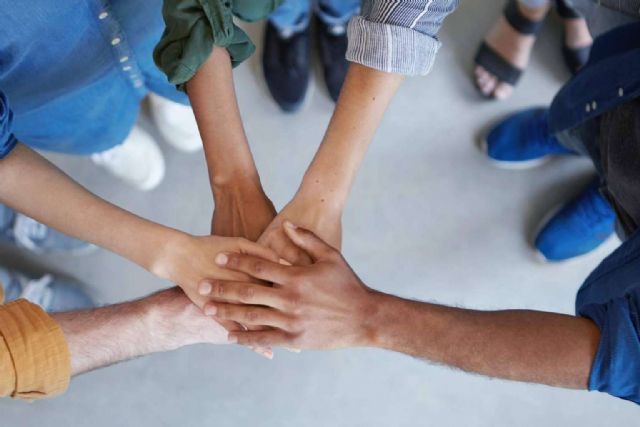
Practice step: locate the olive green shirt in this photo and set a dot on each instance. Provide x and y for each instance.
(193, 27)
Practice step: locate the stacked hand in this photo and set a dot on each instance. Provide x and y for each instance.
(320, 306)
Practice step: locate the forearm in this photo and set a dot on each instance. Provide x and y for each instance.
(212, 95)
(519, 345)
(164, 321)
(38, 189)
(365, 95)
(107, 335)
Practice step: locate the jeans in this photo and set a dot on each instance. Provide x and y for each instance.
(294, 15)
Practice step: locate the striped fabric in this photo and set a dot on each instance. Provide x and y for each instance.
(398, 36)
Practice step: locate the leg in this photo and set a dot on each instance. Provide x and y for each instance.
(291, 17)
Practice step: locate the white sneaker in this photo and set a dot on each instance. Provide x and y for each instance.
(176, 123)
(138, 161)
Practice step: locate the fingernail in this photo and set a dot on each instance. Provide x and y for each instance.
(210, 310)
(268, 354)
(221, 259)
(232, 339)
(204, 288)
(290, 225)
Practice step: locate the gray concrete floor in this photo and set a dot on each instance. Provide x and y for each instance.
(429, 218)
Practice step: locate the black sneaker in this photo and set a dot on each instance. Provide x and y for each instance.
(332, 44)
(286, 62)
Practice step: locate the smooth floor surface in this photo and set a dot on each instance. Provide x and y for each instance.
(429, 218)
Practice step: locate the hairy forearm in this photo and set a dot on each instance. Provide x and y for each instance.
(37, 188)
(364, 98)
(522, 345)
(104, 336)
(212, 95)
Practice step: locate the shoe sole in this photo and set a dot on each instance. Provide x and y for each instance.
(483, 146)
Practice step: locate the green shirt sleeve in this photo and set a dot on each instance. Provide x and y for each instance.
(193, 27)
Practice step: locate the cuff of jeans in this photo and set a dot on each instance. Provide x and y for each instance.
(34, 356)
(391, 48)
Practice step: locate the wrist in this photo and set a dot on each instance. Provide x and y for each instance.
(235, 182)
(385, 321)
(315, 192)
(166, 255)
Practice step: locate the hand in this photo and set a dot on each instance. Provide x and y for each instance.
(324, 220)
(189, 260)
(322, 306)
(173, 322)
(241, 210)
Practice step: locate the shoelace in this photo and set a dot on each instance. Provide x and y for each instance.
(38, 291)
(26, 230)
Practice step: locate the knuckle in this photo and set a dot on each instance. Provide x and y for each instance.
(257, 267)
(246, 293)
(220, 289)
(252, 315)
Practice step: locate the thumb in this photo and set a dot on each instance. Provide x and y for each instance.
(308, 241)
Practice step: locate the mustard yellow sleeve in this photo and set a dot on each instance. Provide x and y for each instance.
(34, 359)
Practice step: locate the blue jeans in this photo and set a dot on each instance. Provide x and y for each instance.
(293, 15)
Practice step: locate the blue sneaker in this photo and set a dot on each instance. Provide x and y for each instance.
(578, 227)
(522, 141)
(30, 234)
(50, 293)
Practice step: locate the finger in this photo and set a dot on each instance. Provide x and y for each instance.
(263, 351)
(294, 254)
(248, 247)
(273, 337)
(243, 293)
(309, 242)
(250, 315)
(255, 267)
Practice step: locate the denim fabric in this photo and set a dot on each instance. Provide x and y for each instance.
(74, 72)
(610, 297)
(596, 114)
(293, 15)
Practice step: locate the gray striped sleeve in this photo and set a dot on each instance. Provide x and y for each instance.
(398, 36)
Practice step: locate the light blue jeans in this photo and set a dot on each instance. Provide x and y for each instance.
(293, 15)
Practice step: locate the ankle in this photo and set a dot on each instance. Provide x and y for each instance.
(534, 13)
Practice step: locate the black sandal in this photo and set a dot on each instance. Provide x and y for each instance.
(574, 58)
(491, 60)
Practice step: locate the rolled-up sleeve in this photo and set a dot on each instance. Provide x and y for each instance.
(34, 357)
(616, 367)
(7, 140)
(194, 27)
(398, 36)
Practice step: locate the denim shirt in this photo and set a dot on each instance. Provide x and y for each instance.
(609, 79)
(610, 296)
(73, 72)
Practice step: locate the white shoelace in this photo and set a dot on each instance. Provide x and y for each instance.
(38, 291)
(26, 230)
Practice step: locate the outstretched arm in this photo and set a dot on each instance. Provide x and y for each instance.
(163, 321)
(35, 187)
(241, 207)
(325, 188)
(325, 305)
